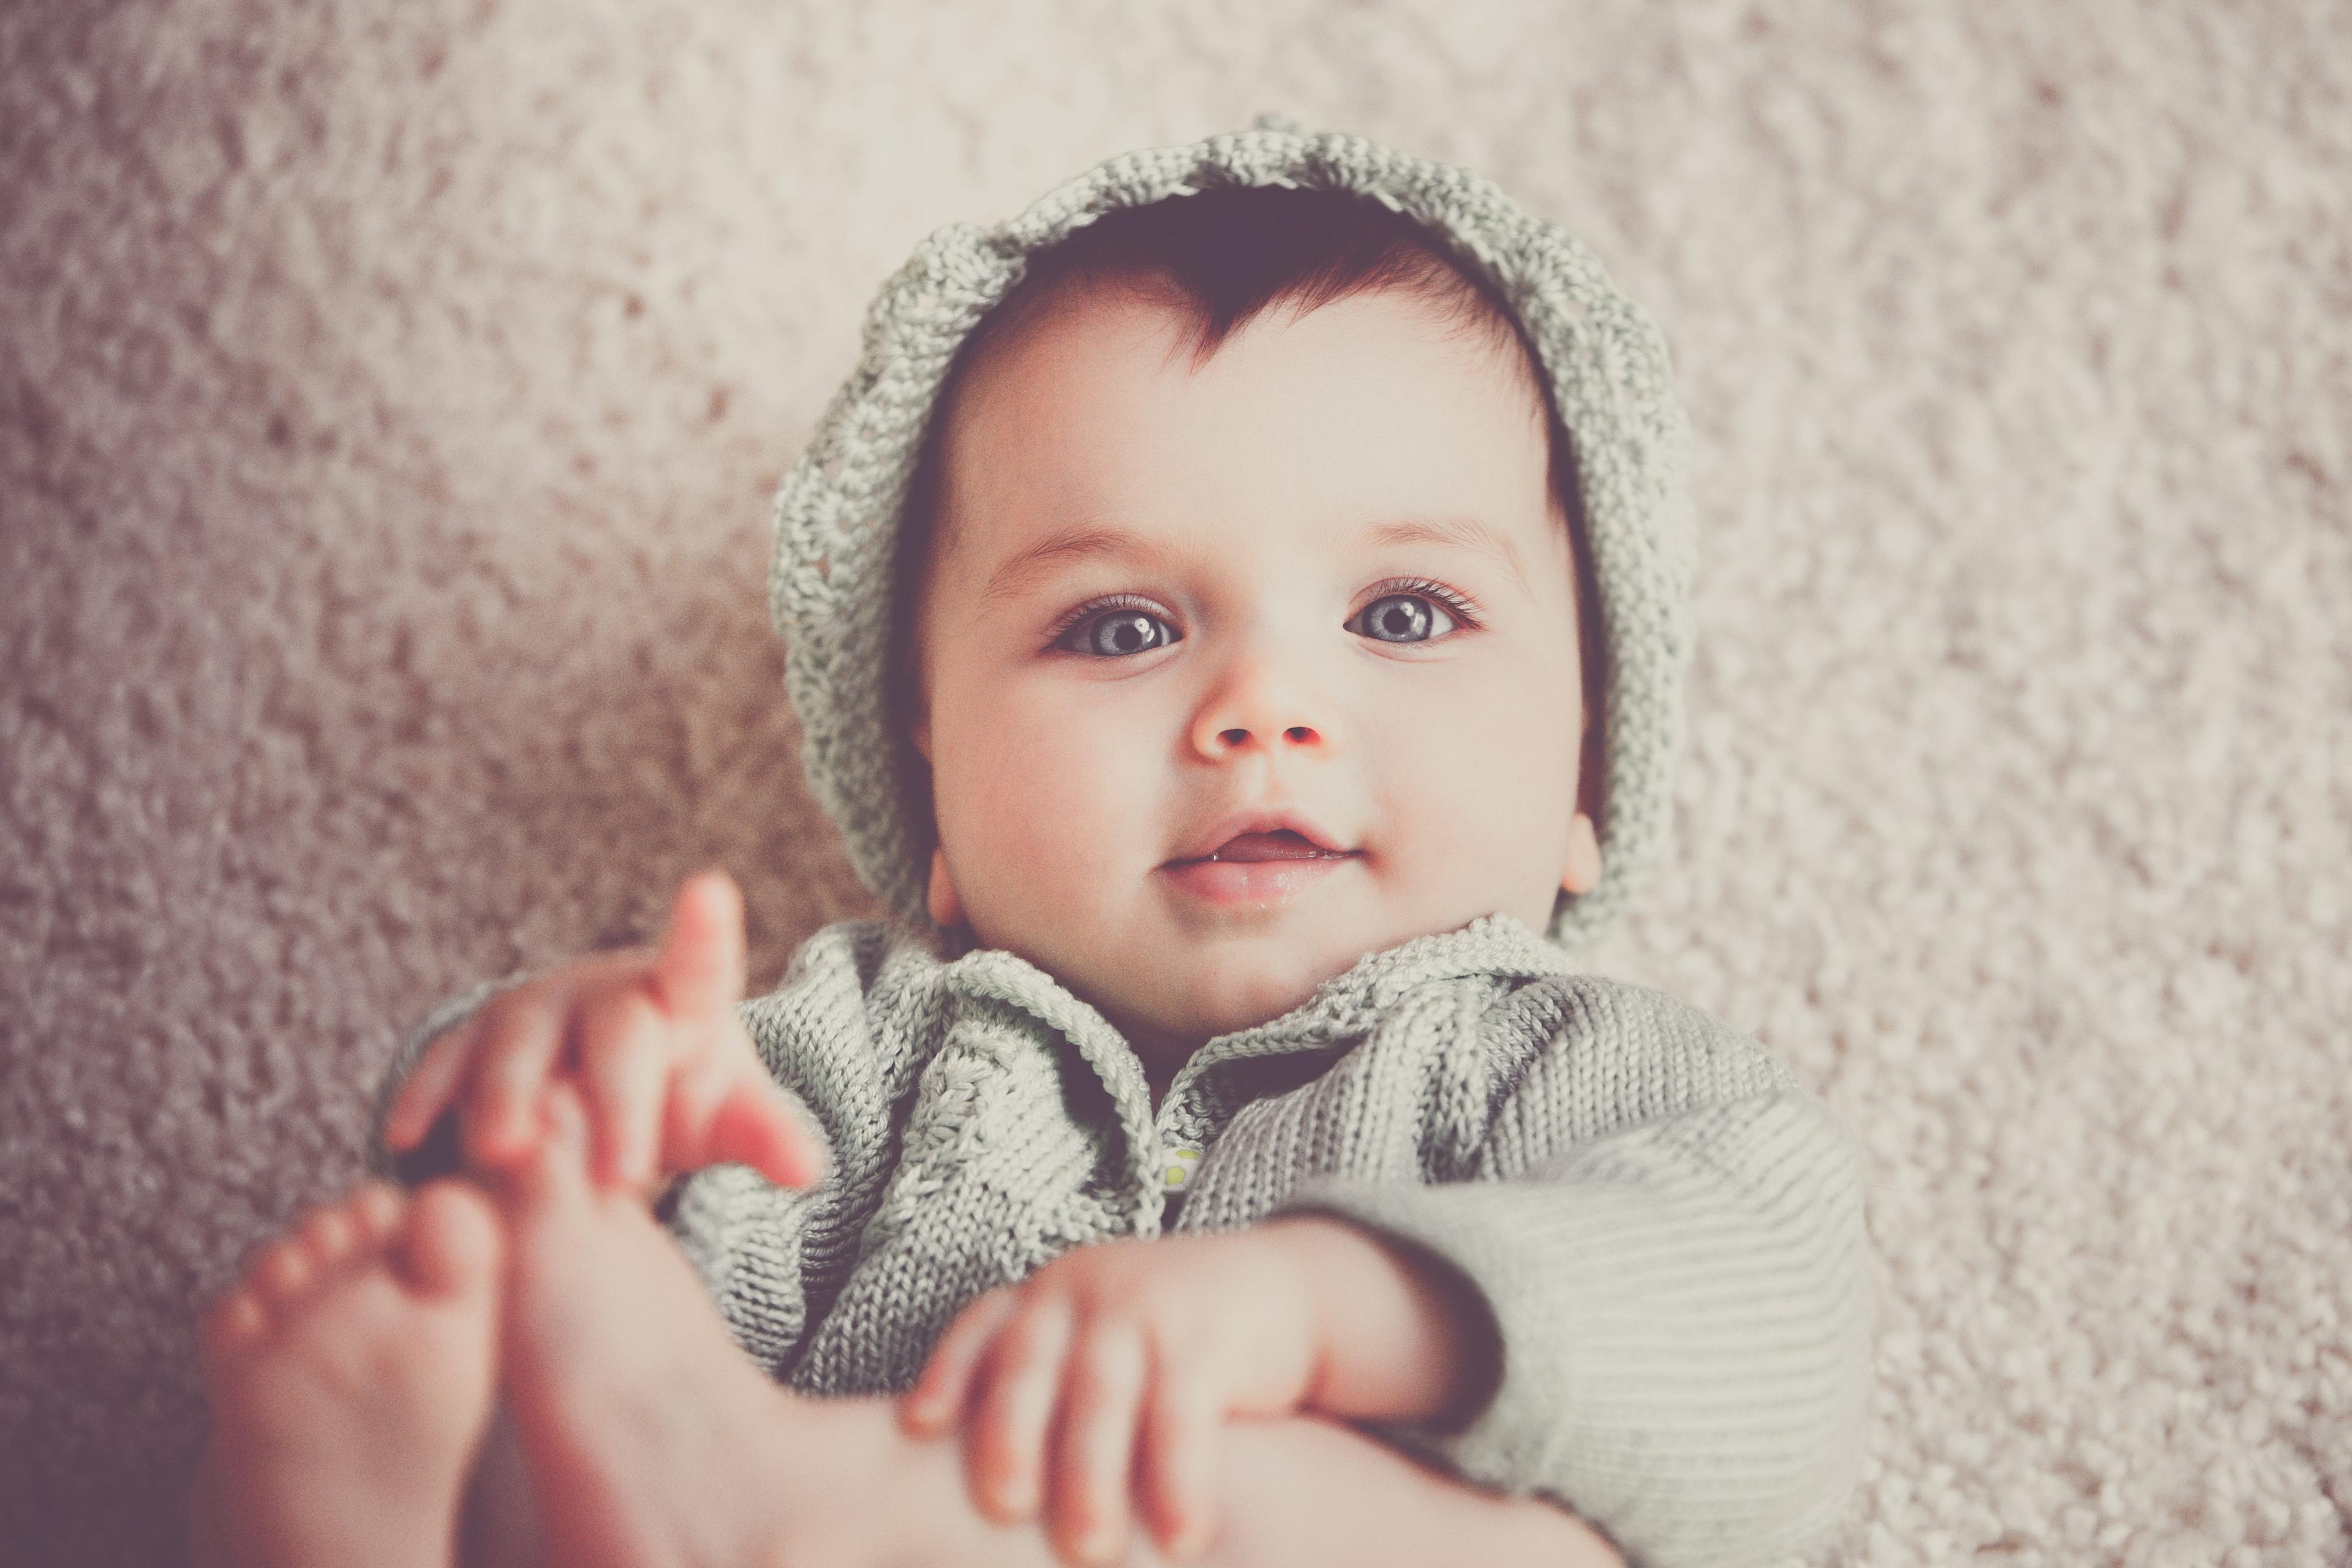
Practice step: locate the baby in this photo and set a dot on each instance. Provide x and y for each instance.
(1200, 606)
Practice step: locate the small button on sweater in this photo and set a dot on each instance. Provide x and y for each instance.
(1665, 1227)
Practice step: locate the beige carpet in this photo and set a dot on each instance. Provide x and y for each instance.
(390, 399)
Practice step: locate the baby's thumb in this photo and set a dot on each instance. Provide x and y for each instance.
(755, 1126)
(700, 966)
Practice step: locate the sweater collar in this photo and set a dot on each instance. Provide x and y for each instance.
(1344, 1007)
(1341, 1010)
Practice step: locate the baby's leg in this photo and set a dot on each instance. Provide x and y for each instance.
(650, 1437)
(351, 1374)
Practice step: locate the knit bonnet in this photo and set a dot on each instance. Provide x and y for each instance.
(837, 514)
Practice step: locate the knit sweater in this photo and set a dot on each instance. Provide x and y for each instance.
(1665, 1227)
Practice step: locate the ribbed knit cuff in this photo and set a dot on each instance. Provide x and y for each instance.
(1686, 1340)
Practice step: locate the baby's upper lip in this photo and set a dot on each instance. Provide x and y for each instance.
(1261, 820)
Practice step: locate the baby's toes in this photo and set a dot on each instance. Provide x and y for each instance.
(328, 1242)
(328, 1237)
(448, 1242)
(284, 1272)
(342, 1425)
(234, 1325)
(288, 1272)
(374, 1207)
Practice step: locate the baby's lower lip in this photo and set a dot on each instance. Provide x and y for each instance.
(1253, 881)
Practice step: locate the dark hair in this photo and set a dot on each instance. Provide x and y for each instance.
(1216, 260)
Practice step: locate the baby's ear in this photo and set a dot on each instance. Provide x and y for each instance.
(1583, 870)
(946, 909)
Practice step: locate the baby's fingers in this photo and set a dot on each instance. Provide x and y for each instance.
(1095, 1458)
(932, 1404)
(1180, 1446)
(755, 1126)
(698, 972)
(626, 1051)
(1022, 1378)
(431, 1085)
(522, 1033)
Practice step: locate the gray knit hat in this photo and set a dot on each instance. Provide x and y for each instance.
(837, 514)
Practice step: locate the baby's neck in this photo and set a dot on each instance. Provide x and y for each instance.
(1161, 1056)
(1159, 1083)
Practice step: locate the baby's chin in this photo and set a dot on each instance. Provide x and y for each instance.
(1193, 995)
(1170, 992)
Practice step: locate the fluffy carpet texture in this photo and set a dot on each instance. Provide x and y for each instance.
(390, 402)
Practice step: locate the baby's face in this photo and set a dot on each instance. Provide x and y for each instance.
(1264, 650)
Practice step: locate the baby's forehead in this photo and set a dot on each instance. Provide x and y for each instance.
(1047, 353)
(1077, 313)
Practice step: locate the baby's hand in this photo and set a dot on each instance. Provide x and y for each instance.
(1177, 1334)
(658, 1048)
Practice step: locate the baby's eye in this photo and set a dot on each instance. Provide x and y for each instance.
(1117, 628)
(1403, 617)
(1116, 633)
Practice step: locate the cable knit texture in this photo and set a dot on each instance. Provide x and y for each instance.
(838, 512)
(1666, 1226)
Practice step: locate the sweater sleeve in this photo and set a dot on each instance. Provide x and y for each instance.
(1666, 1231)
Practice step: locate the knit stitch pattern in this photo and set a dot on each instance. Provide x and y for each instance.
(1666, 1226)
(838, 512)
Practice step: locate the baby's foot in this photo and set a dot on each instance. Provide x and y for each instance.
(651, 1437)
(351, 1374)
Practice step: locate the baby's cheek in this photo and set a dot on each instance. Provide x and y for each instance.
(1072, 794)
(1468, 795)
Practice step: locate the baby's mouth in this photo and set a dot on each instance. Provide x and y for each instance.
(1280, 844)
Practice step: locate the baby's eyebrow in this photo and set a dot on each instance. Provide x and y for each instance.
(1025, 568)
(1462, 532)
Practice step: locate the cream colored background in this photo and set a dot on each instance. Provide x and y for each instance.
(390, 398)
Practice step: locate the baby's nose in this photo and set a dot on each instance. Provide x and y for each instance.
(1262, 712)
(1239, 736)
